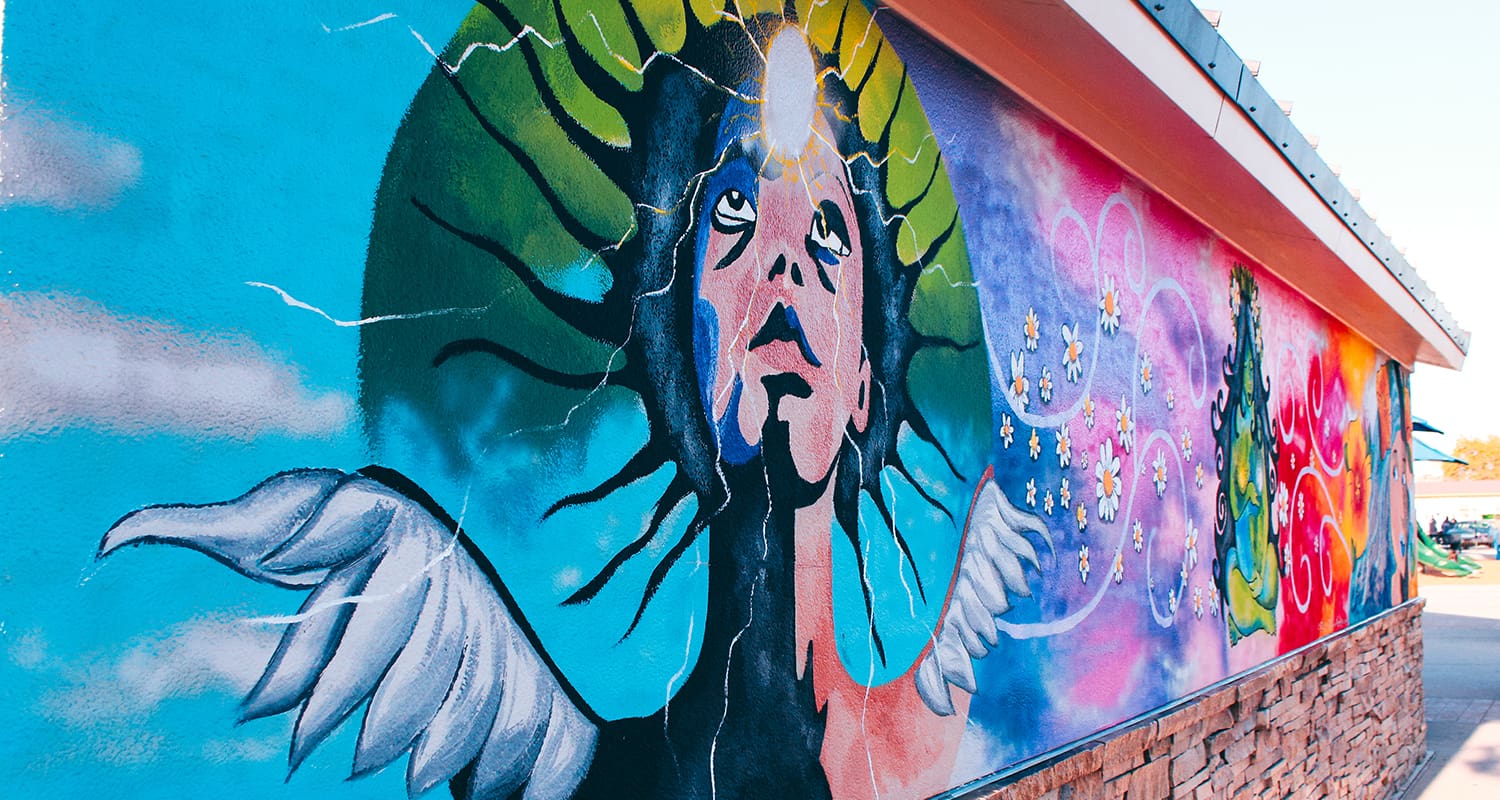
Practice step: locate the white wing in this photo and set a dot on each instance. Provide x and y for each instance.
(401, 615)
(990, 570)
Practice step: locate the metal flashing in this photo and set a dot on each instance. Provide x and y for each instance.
(1201, 42)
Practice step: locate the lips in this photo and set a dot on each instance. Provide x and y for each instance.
(781, 325)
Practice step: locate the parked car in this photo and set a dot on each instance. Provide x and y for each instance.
(1460, 535)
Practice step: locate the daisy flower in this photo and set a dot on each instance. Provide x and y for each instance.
(1159, 473)
(1083, 460)
(1034, 444)
(1125, 425)
(1020, 385)
(1065, 493)
(1301, 508)
(1171, 399)
(1190, 544)
(1007, 431)
(1033, 329)
(1047, 502)
(1198, 602)
(1283, 505)
(1172, 602)
(1107, 481)
(1072, 351)
(1138, 537)
(1083, 562)
(1082, 513)
(1146, 374)
(1187, 445)
(1031, 492)
(1064, 447)
(1119, 570)
(1088, 412)
(1044, 385)
(1109, 306)
(1198, 474)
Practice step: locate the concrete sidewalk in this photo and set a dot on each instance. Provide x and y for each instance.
(1461, 674)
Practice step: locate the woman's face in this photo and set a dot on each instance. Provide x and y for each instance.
(779, 310)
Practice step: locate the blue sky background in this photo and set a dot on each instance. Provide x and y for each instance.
(232, 161)
(1402, 98)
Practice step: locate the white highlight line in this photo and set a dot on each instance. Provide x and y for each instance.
(370, 21)
(287, 298)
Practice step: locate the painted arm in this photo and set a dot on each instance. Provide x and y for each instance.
(404, 613)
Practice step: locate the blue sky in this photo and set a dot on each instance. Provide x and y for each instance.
(1401, 96)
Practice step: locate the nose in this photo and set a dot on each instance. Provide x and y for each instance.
(790, 271)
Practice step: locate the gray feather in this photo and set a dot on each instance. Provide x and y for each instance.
(465, 718)
(306, 646)
(412, 689)
(932, 688)
(238, 532)
(980, 620)
(516, 739)
(957, 667)
(380, 625)
(1005, 563)
(565, 755)
(987, 585)
(345, 526)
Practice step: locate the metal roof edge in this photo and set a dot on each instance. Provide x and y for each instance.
(1200, 41)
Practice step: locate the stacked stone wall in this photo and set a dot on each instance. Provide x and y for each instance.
(1343, 717)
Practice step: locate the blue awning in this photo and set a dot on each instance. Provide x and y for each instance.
(1422, 425)
(1421, 451)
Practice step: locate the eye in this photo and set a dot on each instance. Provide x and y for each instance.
(733, 212)
(829, 232)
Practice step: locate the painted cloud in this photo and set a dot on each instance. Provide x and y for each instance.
(46, 160)
(68, 362)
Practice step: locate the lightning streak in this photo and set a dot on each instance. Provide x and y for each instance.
(370, 21)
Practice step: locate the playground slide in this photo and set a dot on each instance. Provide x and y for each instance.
(1439, 560)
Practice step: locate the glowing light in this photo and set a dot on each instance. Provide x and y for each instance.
(791, 95)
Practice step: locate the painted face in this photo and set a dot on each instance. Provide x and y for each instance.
(780, 292)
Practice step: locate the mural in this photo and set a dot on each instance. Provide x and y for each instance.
(743, 399)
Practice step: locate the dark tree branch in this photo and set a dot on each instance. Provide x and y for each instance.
(924, 432)
(643, 463)
(675, 493)
(612, 161)
(567, 380)
(570, 223)
(890, 523)
(659, 574)
(600, 321)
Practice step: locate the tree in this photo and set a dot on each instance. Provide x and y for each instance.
(1483, 456)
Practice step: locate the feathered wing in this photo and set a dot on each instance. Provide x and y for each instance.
(401, 615)
(990, 570)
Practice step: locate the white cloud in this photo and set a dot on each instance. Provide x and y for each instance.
(46, 160)
(68, 362)
(108, 702)
(193, 658)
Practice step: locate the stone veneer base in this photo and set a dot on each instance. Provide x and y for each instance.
(1341, 717)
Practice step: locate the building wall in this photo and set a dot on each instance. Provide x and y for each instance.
(646, 400)
(1461, 500)
(1343, 717)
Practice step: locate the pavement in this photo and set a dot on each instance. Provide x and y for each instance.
(1461, 675)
